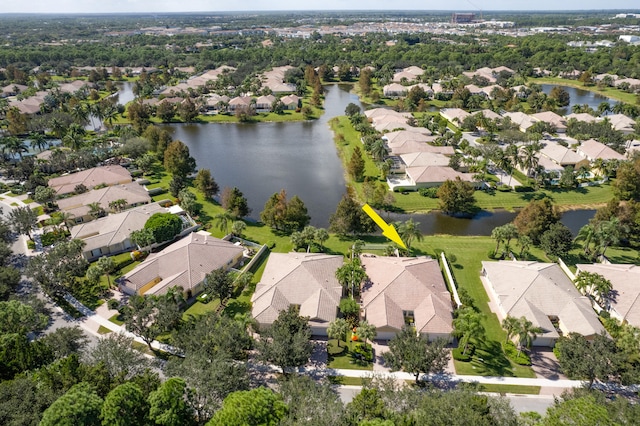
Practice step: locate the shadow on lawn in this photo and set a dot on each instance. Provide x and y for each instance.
(489, 360)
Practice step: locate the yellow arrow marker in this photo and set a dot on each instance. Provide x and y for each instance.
(387, 230)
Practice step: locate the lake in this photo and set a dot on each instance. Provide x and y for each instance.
(579, 97)
(263, 158)
(301, 157)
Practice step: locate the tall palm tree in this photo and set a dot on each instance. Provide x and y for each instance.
(410, 231)
(351, 275)
(467, 326)
(511, 325)
(38, 141)
(528, 156)
(223, 221)
(378, 150)
(527, 333)
(14, 145)
(366, 331)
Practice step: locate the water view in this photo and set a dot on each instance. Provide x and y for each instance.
(579, 97)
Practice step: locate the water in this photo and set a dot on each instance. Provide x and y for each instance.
(482, 223)
(579, 97)
(263, 158)
(125, 94)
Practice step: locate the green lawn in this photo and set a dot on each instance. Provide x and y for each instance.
(117, 319)
(464, 255)
(103, 330)
(347, 381)
(346, 359)
(515, 389)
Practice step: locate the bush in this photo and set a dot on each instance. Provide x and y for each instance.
(458, 356)
(113, 304)
(164, 226)
(52, 237)
(524, 188)
(503, 188)
(136, 255)
(123, 263)
(31, 245)
(271, 244)
(428, 192)
(511, 352)
(363, 353)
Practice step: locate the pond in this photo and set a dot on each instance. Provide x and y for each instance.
(263, 158)
(483, 223)
(579, 97)
(300, 157)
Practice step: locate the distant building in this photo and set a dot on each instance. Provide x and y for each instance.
(462, 18)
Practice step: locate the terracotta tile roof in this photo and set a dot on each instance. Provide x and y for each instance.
(108, 175)
(406, 284)
(305, 279)
(184, 263)
(539, 290)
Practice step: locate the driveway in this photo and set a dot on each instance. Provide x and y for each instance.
(545, 364)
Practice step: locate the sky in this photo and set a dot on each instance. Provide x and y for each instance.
(128, 6)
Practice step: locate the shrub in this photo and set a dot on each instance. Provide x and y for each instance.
(428, 192)
(524, 188)
(136, 255)
(511, 352)
(31, 245)
(164, 226)
(504, 188)
(123, 263)
(364, 353)
(458, 356)
(113, 304)
(52, 237)
(271, 244)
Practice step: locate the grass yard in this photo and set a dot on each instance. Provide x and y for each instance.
(117, 319)
(103, 330)
(347, 358)
(346, 381)
(464, 255)
(514, 389)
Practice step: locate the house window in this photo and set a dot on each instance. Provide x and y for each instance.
(409, 317)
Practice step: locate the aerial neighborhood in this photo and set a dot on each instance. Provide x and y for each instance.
(271, 219)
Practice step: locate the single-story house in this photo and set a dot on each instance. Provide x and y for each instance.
(523, 120)
(291, 102)
(403, 291)
(625, 281)
(239, 102)
(104, 175)
(593, 150)
(455, 115)
(430, 176)
(374, 113)
(263, 103)
(409, 74)
(307, 280)
(583, 116)
(184, 263)
(552, 118)
(110, 235)
(78, 205)
(621, 122)
(561, 155)
(422, 159)
(394, 90)
(542, 293)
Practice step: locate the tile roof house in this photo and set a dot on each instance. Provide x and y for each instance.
(78, 205)
(593, 150)
(402, 290)
(552, 118)
(410, 74)
(543, 294)
(291, 101)
(523, 120)
(110, 235)
(621, 122)
(430, 176)
(583, 116)
(395, 90)
(625, 280)
(455, 115)
(263, 103)
(304, 279)
(105, 175)
(561, 155)
(184, 263)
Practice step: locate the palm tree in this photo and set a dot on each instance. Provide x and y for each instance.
(409, 231)
(511, 326)
(38, 141)
(351, 274)
(366, 331)
(338, 329)
(468, 325)
(528, 156)
(95, 210)
(586, 234)
(378, 150)
(527, 334)
(223, 221)
(75, 137)
(14, 146)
